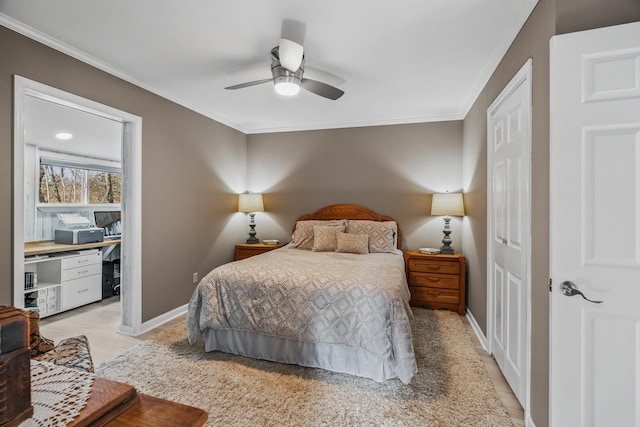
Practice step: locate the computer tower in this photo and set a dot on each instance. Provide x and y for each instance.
(110, 278)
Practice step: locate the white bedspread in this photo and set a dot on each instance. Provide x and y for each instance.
(321, 297)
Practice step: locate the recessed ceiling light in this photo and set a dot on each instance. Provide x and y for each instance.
(64, 135)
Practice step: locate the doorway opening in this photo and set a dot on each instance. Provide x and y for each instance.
(131, 148)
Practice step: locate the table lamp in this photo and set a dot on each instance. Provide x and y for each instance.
(251, 203)
(447, 204)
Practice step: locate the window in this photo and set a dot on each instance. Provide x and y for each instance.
(79, 181)
(60, 185)
(104, 187)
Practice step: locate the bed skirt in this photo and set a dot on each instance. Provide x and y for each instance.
(333, 357)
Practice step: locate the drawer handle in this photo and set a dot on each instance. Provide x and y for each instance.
(434, 267)
(83, 290)
(83, 272)
(433, 279)
(80, 261)
(434, 294)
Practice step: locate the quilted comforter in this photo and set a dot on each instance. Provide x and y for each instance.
(321, 297)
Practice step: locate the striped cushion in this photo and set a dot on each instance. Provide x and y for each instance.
(72, 353)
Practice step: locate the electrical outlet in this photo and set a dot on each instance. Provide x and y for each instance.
(195, 277)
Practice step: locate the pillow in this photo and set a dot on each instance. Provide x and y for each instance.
(352, 243)
(325, 237)
(382, 234)
(37, 342)
(72, 353)
(303, 235)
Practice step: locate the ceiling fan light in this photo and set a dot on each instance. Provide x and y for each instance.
(287, 85)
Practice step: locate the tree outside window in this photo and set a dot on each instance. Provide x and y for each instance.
(62, 184)
(104, 187)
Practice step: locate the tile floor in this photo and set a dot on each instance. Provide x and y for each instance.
(509, 400)
(99, 322)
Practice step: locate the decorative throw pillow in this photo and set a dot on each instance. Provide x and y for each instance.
(303, 235)
(382, 234)
(353, 243)
(72, 353)
(324, 237)
(37, 342)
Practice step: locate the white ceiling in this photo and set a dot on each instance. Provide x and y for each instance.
(92, 135)
(401, 61)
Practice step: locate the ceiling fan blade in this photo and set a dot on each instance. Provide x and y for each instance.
(322, 89)
(248, 84)
(291, 54)
(323, 76)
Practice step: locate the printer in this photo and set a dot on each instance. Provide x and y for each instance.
(78, 230)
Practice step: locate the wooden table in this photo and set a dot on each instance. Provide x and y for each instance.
(150, 411)
(247, 250)
(116, 404)
(49, 246)
(436, 281)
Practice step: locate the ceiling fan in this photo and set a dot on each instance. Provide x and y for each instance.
(287, 69)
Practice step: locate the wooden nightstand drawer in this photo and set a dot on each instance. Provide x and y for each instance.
(438, 295)
(436, 281)
(433, 266)
(433, 280)
(243, 251)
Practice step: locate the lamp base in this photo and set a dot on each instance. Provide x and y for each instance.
(446, 249)
(446, 241)
(252, 240)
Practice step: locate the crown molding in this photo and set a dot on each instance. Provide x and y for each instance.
(499, 54)
(32, 33)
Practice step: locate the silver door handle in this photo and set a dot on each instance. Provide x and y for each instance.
(570, 289)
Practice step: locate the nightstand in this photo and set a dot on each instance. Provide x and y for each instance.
(436, 281)
(245, 250)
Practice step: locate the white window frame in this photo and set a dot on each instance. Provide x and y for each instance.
(86, 164)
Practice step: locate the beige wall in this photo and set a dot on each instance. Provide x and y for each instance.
(192, 167)
(578, 15)
(549, 18)
(390, 169)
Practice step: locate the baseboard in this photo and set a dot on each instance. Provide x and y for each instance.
(163, 318)
(478, 331)
(528, 421)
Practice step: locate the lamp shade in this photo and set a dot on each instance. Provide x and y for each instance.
(448, 204)
(250, 202)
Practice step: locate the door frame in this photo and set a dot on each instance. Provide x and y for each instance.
(523, 76)
(131, 205)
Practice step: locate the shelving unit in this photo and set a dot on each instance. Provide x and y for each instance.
(63, 281)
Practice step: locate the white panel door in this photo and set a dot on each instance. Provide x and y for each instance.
(509, 136)
(595, 227)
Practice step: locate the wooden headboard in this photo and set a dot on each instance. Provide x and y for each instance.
(346, 211)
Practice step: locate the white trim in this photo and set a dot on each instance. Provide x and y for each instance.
(20, 88)
(163, 318)
(518, 24)
(342, 125)
(60, 46)
(478, 331)
(56, 44)
(131, 318)
(523, 76)
(528, 421)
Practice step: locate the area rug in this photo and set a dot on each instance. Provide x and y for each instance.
(451, 388)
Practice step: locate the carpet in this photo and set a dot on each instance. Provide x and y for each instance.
(451, 388)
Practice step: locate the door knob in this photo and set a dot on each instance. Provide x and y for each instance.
(570, 289)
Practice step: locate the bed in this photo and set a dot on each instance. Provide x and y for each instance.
(335, 298)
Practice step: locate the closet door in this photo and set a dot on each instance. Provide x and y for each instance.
(509, 189)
